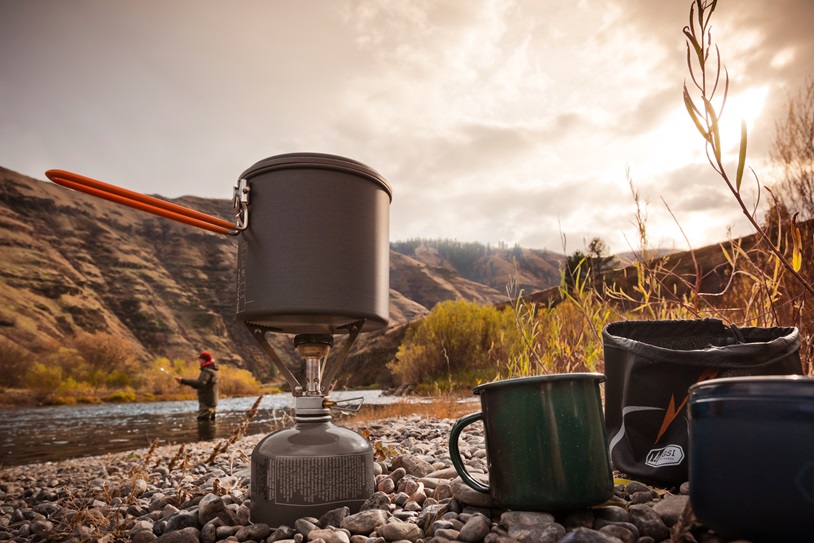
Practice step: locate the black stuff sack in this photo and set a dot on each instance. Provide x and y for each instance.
(650, 366)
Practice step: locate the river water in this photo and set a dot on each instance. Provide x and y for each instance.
(42, 434)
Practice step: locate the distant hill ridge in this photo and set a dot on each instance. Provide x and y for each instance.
(494, 266)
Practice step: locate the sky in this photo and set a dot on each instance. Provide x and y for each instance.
(492, 120)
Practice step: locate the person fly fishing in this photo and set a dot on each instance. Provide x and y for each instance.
(207, 386)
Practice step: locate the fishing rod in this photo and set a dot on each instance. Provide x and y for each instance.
(168, 373)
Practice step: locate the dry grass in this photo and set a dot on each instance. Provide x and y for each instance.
(240, 431)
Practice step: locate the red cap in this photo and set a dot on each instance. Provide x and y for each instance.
(205, 356)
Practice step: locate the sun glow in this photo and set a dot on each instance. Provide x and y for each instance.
(746, 106)
(676, 141)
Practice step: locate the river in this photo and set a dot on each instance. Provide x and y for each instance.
(43, 434)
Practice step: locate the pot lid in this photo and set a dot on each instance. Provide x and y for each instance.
(768, 387)
(321, 161)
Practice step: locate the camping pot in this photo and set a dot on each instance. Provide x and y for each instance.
(314, 255)
(313, 240)
(751, 458)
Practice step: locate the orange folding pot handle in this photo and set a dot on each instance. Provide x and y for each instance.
(141, 202)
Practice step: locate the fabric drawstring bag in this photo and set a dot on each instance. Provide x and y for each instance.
(650, 365)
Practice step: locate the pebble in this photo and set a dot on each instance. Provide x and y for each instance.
(136, 498)
(365, 522)
(619, 532)
(671, 508)
(648, 522)
(475, 529)
(400, 531)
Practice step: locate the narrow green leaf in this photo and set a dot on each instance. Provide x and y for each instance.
(727, 255)
(741, 156)
(691, 109)
(688, 101)
(715, 133)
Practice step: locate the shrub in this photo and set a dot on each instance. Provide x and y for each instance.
(70, 362)
(457, 336)
(72, 391)
(118, 379)
(17, 362)
(44, 380)
(104, 352)
(158, 377)
(237, 382)
(124, 395)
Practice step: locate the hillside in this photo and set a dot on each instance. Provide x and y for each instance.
(71, 263)
(496, 267)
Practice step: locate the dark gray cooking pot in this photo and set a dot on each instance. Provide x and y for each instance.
(315, 254)
(752, 457)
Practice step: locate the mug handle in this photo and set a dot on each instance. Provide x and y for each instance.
(455, 454)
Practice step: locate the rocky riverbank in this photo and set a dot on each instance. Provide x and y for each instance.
(200, 494)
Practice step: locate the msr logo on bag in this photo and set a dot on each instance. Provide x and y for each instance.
(671, 455)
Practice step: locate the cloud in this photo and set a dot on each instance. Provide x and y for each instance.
(509, 120)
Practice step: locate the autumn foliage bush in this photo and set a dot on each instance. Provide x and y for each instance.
(158, 379)
(461, 344)
(459, 341)
(91, 368)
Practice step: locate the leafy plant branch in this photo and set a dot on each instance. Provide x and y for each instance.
(706, 118)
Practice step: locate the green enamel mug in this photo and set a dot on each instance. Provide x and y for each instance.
(546, 445)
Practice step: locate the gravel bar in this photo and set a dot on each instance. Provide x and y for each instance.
(199, 493)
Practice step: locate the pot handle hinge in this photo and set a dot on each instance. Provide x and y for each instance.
(240, 202)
